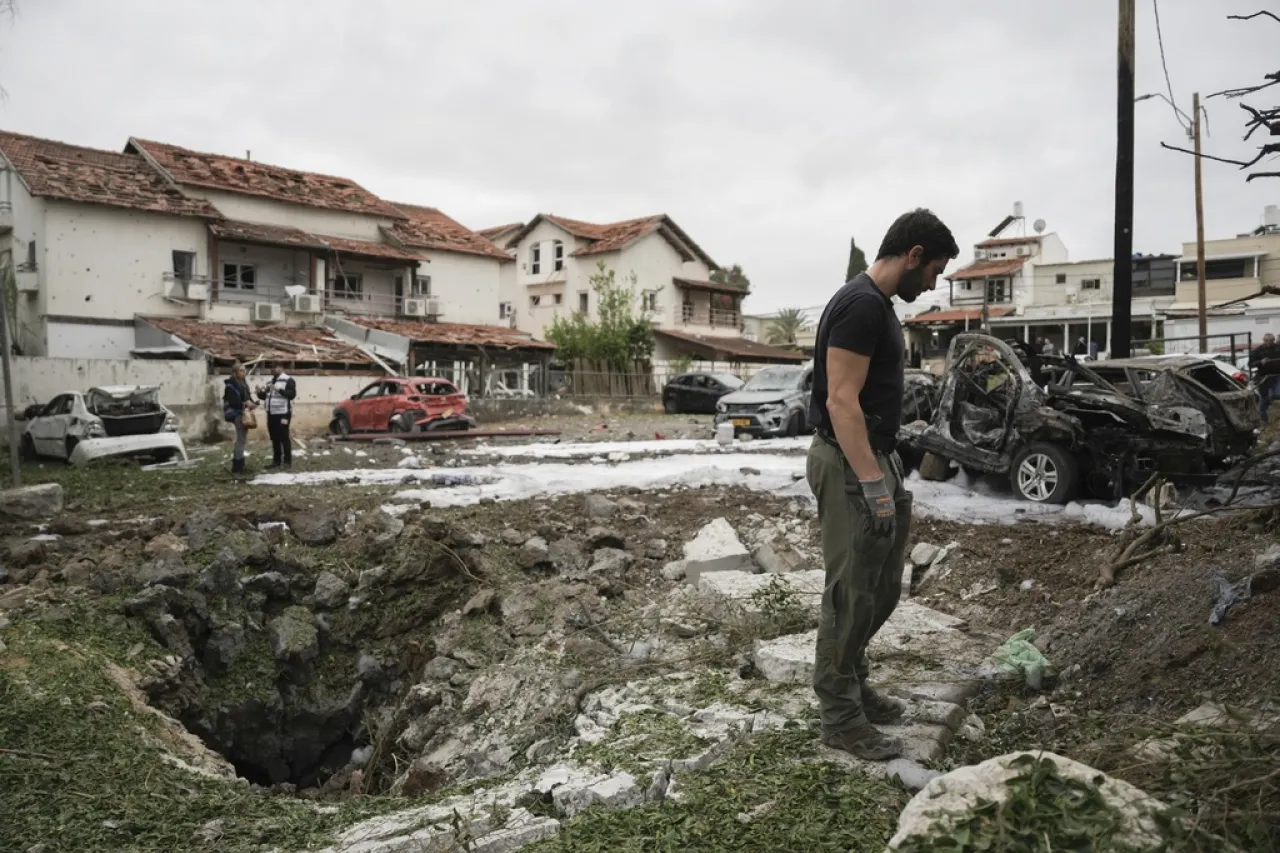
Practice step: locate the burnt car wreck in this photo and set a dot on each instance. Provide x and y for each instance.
(1060, 429)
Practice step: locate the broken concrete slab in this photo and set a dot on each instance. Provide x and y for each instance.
(716, 548)
(779, 558)
(740, 587)
(924, 554)
(31, 503)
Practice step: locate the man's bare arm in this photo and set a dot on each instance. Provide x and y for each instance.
(846, 374)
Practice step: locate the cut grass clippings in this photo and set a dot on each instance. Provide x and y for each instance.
(768, 793)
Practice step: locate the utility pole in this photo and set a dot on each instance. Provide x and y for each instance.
(1122, 291)
(1200, 288)
(10, 415)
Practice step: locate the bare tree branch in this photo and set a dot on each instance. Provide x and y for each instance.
(1274, 77)
(1239, 163)
(1271, 15)
(1262, 175)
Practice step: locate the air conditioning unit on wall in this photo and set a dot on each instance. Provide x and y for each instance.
(306, 303)
(433, 307)
(414, 308)
(197, 291)
(266, 312)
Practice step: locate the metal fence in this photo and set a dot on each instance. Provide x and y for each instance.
(563, 381)
(1235, 346)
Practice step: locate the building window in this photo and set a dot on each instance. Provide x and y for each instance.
(421, 285)
(557, 255)
(504, 311)
(535, 301)
(239, 277)
(535, 259)
(649, 300)
(1090, 284)
(997, 290)
(184, 265)
(557, 298)
(1060, 278)
(582, 303)
(348, 286)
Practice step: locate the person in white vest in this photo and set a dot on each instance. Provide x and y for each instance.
(277, 400)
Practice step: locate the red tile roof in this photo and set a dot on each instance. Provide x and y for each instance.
(460, 334)
(226, 342)
(1007, 241)
(428, 228)
(985, 269)
(618, 235)
(955, 315)
(277, 235)
(709, 286)
(498, 230)
(71, 173)
(249, 177)
(736, 348)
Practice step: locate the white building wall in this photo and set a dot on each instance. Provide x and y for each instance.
(378, 290)
(655, 263)
(336, 223)
(544, 235)
(275, 268)
(1049, 292)
(468, 286)
(512, 294)
(28, 227)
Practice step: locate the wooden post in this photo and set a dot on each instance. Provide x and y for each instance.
(1122, 290)
(1201, 297)
(15, 463)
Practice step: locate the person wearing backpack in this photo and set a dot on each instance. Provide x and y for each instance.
(277, 398)
(237, 408)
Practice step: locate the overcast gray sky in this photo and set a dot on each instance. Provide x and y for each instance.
(770, 130)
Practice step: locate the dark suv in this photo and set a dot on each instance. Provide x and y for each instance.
(697, 393)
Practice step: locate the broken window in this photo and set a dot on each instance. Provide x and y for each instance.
(184, 265)
(1060, 278)
(1090, 284)
(421, 286)
(504, 310)
(557, 255)
(239, 277)
(348, 286)
(998, 290)
(1220, 269)
(535, 301)
(582, 303)
(535, 259)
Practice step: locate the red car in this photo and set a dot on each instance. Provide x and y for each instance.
(413, 404)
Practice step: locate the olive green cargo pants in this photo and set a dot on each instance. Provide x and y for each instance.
(863, 578)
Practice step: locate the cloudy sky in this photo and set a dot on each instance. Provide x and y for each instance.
(770, 130)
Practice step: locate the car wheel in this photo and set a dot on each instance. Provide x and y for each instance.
(1045, 473)
(795, 424)
(27, 448)
(669, 406)
(341, 426)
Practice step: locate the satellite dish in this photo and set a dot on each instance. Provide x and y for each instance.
(1038, 225)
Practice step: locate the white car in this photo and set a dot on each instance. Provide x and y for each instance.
(117, 420)
(1222, 361)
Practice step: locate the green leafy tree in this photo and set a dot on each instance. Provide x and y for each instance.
(857, 260)
(733, 277)
(618, 337)
(784, 328)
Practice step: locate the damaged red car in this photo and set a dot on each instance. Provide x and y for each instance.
(411, 404)
(1059, 428)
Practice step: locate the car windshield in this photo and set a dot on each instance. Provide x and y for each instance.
(727, 380)
(774, 379)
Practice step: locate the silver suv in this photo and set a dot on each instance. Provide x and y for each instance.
(774, 402)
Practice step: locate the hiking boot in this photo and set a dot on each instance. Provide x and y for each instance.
(864, 741)
(881, 708)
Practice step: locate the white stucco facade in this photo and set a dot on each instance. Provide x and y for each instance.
(468, 287)
(313, 220)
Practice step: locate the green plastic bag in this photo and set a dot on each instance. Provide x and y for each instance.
(1017, 657)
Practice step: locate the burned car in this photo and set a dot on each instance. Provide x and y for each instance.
(1058, 427)
(111, 421)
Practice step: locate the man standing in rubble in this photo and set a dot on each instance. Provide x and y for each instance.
(864, 508)
(1265, 361)
(277, 398)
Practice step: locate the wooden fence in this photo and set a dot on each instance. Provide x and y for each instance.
(587, 378)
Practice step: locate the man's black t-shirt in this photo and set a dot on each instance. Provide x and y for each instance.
(860, 318)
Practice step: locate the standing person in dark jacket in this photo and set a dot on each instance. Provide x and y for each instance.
(1265, 362)
(236, 400)
(277, 398)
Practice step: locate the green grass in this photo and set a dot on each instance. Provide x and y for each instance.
(767, 794)
(639, 740)
(81, 769)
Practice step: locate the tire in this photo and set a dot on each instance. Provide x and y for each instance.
(669, 406)
(27, 448)
(341, 426)
(795, 424)
(1045, 473)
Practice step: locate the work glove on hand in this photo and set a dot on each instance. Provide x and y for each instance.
(881, 505)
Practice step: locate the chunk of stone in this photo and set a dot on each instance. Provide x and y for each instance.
(167, 571)
(599, 508)
(777, 559)
(716, 548)
(911, 774)
(610, 560)
(331, 591)
(273, 584)
(317, 527)
(222, 576)
(223, 648)
(924, 554)
(165, 545)
(533, 553)
(947, 802)
(293, 636)
(675, 571)
(480, 602)
(565, 555)
(656, 549)
(602, 537)
(31, 503)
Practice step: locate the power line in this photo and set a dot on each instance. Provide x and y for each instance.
(1173, 102)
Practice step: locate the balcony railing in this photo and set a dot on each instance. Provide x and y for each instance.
(697, 315)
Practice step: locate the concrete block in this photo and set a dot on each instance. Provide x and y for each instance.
(741, 586)
(520, 830)
(31, 503)
(716, 548)
(779, 558)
